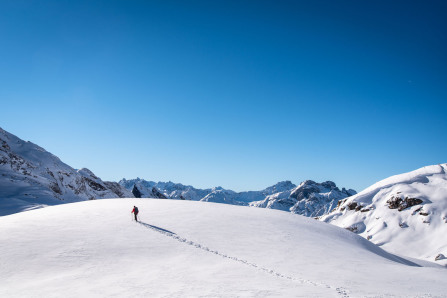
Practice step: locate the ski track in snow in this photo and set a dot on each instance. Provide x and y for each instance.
(341, 291)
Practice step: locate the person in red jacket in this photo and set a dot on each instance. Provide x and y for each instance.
(135, 212)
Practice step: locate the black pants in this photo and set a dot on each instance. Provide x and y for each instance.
(136, 216)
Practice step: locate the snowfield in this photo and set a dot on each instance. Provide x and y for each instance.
(196, 249)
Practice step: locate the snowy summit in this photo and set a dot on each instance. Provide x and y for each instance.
(405, 214)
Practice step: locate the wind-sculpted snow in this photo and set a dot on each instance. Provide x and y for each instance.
(31, 177)
(191, 249)
(406, 214)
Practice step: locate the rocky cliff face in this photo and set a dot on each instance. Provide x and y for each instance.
(406, 214)
(308, 199)
(31, 177)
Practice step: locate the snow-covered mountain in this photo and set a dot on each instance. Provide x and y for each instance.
(405, 214)
(31, 177)
(309, 198)
(149, 189)
(192, 249)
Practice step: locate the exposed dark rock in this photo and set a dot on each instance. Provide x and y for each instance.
(94, 185)
(340, 203)
(54, 187)
(394, 202)
(439, 257)
(399, 204)
(352, 205)
(50, 173)
(423, 213)
(136, 192)
(304, 191)
(352, 229)
(157, 193)
(416, 211)
(409, 202)
(115, 187)
(330, 185)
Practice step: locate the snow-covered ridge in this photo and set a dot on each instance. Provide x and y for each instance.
(31, 177)
(309, 198)
(405, 214)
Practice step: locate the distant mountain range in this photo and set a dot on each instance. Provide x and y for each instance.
(406, 214)
(31, 177)
(308, 199)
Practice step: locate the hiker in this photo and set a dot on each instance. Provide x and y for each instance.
(135, 212)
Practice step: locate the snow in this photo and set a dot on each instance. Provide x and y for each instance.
(191, 249)
(417, 231)
(31, 177)
(309, 198)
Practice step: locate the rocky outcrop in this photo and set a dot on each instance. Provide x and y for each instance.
(31, 177)
(136, 192)
(309, 198)
(396, 202)
(157, 194)
(406, 213)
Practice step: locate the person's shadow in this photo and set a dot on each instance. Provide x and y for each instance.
(155, 228)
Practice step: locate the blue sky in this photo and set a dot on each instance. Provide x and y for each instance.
(240, 94)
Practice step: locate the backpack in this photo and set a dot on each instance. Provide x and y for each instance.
(136, 210)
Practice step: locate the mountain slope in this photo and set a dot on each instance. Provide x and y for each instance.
(405, 214)
(31, 177)
(182, 248)
(308, 199)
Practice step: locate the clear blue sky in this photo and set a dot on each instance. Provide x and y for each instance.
(240, 94)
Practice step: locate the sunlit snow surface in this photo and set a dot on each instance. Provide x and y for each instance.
(193, 249)
(419, 231)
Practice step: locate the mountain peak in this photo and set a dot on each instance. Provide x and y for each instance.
(405, 213)
(33, 177)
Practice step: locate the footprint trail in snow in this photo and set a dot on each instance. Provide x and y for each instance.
(341, 291)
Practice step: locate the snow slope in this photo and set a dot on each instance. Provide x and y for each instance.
(31, 177)
(405, 214)
(192, 249)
